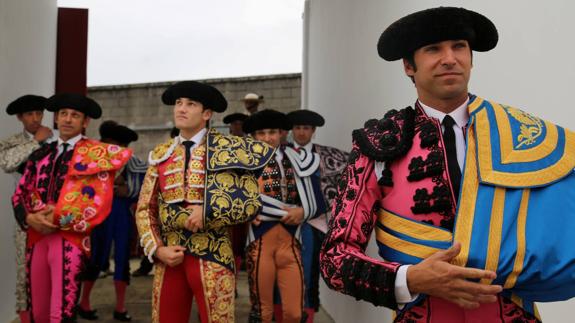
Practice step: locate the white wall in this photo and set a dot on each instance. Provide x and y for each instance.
(27, 65)
(346, 81)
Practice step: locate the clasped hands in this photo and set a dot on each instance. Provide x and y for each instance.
(436, 276)
(42, 221)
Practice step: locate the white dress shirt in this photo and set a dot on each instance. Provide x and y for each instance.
(71, 143)
(197, 138)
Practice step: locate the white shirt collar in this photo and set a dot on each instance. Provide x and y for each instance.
(71, 142)
(197, 138)
(460, 115)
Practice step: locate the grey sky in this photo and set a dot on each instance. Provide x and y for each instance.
(137, 41)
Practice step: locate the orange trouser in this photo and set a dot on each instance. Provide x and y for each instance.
(275, 257)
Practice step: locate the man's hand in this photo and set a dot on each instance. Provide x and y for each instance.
(195, 221)
(41, 221)
(436, 276)
(171, 255)
(294, 216)
(42, 134)
(257, 220)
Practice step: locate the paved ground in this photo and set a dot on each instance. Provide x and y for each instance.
(139, 294)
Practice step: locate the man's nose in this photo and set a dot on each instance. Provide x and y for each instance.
(448, 57)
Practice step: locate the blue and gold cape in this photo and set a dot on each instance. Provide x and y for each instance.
(516, 210)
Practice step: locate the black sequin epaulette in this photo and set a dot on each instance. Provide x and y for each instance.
(389, 138)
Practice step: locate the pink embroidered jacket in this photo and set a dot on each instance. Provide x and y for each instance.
(413, 184)
(80, 188)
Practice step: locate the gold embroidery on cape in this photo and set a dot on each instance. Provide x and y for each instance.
(531, 127)
(227, 210)
(232, 150)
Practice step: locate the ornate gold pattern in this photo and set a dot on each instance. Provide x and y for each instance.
(157, 290)
(171, 221)
(219, 285)
(236, 152)
(195, 176)
(214, 242)
(538, 177)
(173, 195)
(161, 150)
(176, 178)
(145, 212)
(531, 127)
(228, 206)
(233, 196)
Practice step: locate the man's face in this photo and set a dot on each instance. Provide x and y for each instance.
(190, 115)
(236, 128)
(303, 134)
(31, 120)
(71, 123)
(270, 136)
(252, 106)
(442, 70)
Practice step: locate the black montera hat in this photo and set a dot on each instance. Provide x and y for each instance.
(74, 101)
(206, 94)
(26, 103)
(112, 130)
(434, 25)
(234, 117)
(266, 119)
(305, 118)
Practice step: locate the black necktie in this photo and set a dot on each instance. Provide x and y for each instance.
(451, 151)
(58, 163)
(188, 146)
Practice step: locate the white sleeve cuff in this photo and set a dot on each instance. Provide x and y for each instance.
(402, 294)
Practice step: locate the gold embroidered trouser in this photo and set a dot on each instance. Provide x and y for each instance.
(211, 284)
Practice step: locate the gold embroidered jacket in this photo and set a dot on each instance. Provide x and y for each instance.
(222, 175)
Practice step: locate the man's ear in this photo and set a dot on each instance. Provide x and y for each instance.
(207, 114)
(408, 68)
(86, 122)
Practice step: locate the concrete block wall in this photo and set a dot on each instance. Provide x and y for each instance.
(139, 106)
